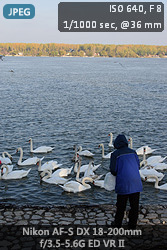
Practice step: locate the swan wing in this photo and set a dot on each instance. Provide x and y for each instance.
(96, 167)
(5, 160)
(29, 161)
(18, 174)
(42, 149)
(86, 153)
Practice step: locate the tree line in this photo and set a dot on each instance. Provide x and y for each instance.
(97, 50)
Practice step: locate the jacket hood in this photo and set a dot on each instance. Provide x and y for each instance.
(120, 142)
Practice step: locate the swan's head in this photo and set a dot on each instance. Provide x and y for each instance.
(100, 145)
(38, 162)
(110, 134)
(30, 140)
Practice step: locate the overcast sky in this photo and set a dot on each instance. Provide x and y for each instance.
(43, 28)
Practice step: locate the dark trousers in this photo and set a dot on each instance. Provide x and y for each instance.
(121, 206)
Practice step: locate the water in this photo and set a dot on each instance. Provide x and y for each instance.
(65, 101)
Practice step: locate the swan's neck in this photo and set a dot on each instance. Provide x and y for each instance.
(3, 154)
(21, 155)
(31, 146)
(90, 164)
(47, 175)
(76, 167)
(80, 149)
(78, 171)
(102, 150)
(39, 166)
(86, 179)
(7, 171)
(156, 180)
(111, 138)
(131, 142)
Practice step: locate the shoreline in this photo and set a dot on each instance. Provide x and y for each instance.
(150, 233)
(150, 57)
(77, 214)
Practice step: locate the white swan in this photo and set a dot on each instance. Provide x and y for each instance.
(62, 172)
(84, 152)
(74, 186)
(29, 161)
(85, 167)
(154, 161)
(88, 173)
(41, 149)
(108, 183)
(163, 187)
(111, 140)
(49, 165)
(139, 151)
(144, 172)
(52, 179)
(17, 174)
(104, 156)
(6, 160)
(10, 168)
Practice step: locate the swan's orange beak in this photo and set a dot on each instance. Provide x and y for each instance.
(37, 163)
(108, 134)
(0, 162)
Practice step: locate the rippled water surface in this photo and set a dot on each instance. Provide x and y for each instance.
(65, 101)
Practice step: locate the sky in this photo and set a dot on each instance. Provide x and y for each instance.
(43, 28)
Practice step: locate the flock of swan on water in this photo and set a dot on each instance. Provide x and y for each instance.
(53, 173)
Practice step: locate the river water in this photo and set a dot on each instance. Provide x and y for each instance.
(65, 101)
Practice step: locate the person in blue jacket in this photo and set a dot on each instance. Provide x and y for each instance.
(124, 164)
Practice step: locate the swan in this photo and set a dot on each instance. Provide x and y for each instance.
(29, 161)
(111, 140)
(62, 172)
(74, 186)
(52, 179)
(163, 187)
(153, 161)
(6, 160)
(41, 149)
(50, 165)
(75, 154)
(88, 172)
(108, 183)
(104, 156)
(17, 174)
(85, 167)
(10, 168)
(139, 151)
(147, 171)
(84, 152)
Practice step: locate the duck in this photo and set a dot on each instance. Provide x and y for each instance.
(29, 161)
(139, 151)
(49, 165)
(108, 183)
(52, 179)
(86, 153)
(147, 171)
(111, 140)
(17, 174)
(41, 149)
(104, 156)
(162, 187)
(6, 160)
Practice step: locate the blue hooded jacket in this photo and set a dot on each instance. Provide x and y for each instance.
(124, 164)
